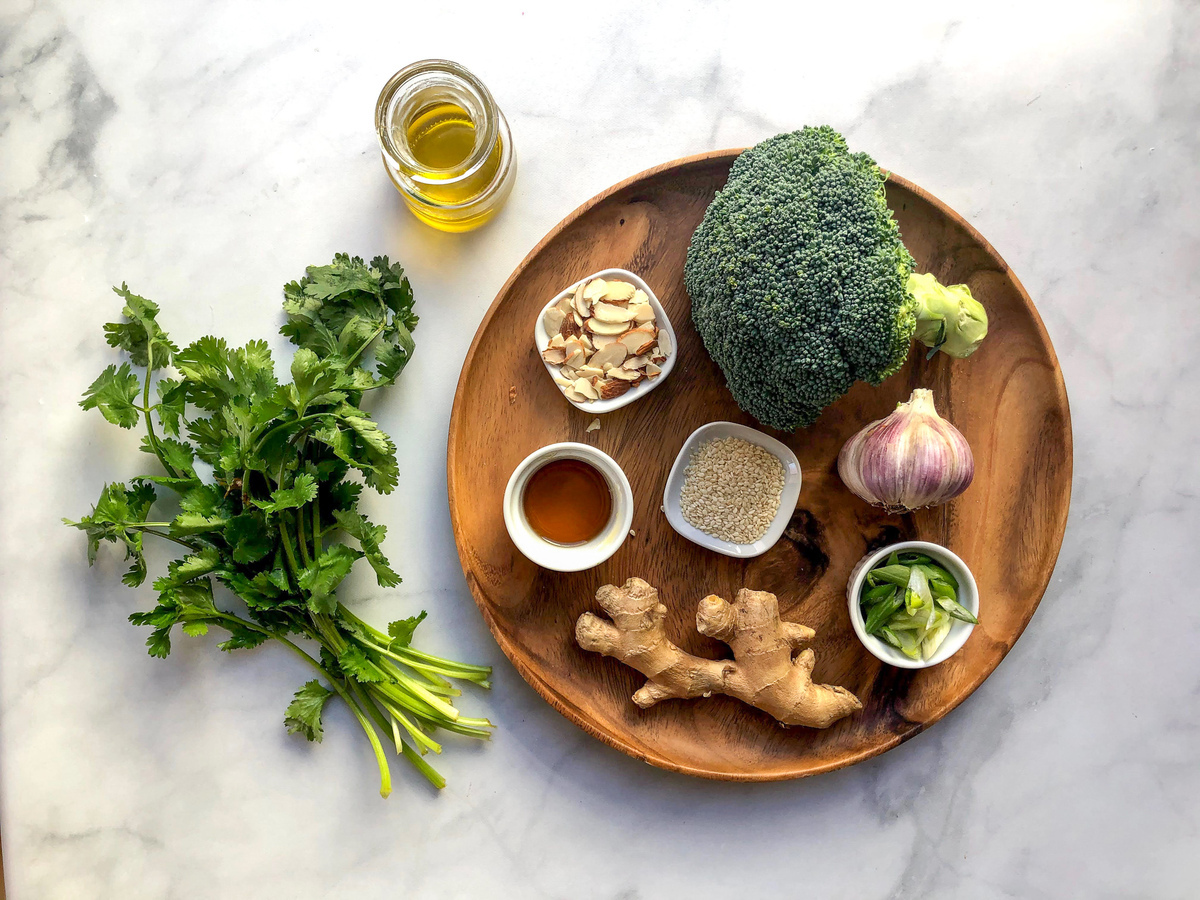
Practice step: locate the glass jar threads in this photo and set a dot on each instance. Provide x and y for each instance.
(445, 144)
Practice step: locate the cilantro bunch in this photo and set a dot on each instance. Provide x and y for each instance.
(268, 504)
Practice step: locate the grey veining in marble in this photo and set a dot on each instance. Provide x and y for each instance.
(206, 151)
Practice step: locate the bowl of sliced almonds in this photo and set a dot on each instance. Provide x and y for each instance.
(605, 341)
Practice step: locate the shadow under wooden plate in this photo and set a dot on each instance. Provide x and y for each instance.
(1008, 400)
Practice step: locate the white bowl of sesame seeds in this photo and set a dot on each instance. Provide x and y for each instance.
(732, 489)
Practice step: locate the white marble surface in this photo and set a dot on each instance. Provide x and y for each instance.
(206, 151)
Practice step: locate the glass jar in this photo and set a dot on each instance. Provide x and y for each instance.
(446, 145)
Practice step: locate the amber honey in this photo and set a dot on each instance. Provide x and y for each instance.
(567, 501)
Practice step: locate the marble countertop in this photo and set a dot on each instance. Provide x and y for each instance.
(205, 152)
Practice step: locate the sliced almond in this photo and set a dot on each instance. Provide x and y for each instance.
(618, 290)
(586, 340)
(581, 304)
(590, 371)
(612, 355)
(571, 394)
(652, 370)
(595, 326)
(642, 313)
(557, 341)
(554, 355)
(600, 341)
(606, 312)
(575, 354)
(612, 388)
(594, 290)
(583, 386)
(636, 362)
(563, 382)
(639, 297)
(552, 319)
(639, 340)
(623, 374)
(664, 343)
(568, 373)
(564, 303)
(595, 426)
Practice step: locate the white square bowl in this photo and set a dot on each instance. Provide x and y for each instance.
(715, 431)
(541, 340)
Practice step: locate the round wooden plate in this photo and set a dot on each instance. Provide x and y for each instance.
(1008, 400)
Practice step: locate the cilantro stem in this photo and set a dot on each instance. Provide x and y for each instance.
(419, 737)
(163, 534)
(283, 425)
(367, 343)
(316, 526)
(289, 549)
(301, 540)
(385, 772)
(150, 435)
(425, 670)
(423, 767)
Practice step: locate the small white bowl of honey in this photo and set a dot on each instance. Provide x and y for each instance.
(568, 507)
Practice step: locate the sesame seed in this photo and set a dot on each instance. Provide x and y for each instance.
(731, 489)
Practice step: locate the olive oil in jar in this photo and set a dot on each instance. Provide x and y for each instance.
(441, 135)
(567, 502)
(445, 144)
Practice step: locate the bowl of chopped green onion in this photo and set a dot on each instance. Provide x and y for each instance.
(912, 604)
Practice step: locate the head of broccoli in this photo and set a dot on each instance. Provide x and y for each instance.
(799, 280)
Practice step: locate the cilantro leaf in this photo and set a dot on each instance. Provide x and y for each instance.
(249, 538)
(369, 538)
(140, 333)
(179, 455)
(312, 380)
(324, 575)
(197, 564)
(401, 630)
(116, 517)
(240, 638)
(253, 371)
(303, 715)
(204, 365)
(203, 509)
(303, 490)
(159, 643)
(114, 393)
(172, 399)
(355, 663)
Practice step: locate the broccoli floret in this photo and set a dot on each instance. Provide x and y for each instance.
(799, 279)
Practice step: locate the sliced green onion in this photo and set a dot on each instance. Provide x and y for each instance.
(882, 592)
(882, 612)
(957, 610)
(897, 575)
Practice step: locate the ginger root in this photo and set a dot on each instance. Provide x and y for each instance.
(762, 672)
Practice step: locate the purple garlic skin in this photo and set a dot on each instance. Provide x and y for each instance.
(912, 459)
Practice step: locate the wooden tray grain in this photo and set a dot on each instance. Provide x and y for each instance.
(1008, 400)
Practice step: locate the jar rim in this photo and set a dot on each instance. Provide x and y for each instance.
(485, 138)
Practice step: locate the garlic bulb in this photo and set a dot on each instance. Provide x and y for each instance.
(912, 459)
